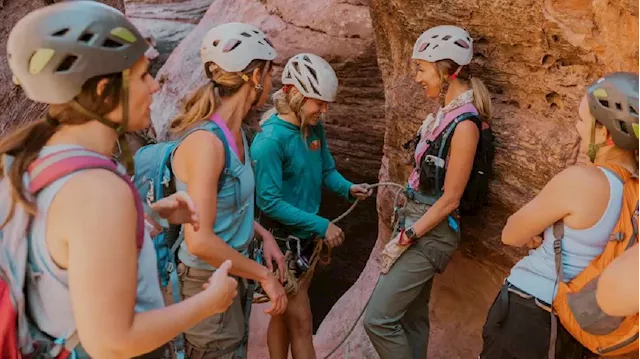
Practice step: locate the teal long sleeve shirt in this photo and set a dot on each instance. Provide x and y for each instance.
(290, 173)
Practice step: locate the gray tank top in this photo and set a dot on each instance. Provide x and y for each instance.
(48, 285)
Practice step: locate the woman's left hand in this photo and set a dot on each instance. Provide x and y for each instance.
(272, 253)
(178, 208)
(361, 191)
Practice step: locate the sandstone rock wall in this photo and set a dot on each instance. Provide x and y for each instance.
(536, 57)
(340, 32)
(16, 108)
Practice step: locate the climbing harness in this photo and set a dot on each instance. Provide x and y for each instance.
(292, 282)
(300, 268)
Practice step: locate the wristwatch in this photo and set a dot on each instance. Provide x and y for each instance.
(411, 234)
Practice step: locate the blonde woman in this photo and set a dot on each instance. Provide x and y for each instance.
(237, 62)
(397, 318)
(293, 163)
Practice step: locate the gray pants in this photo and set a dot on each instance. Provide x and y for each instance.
(397, 318)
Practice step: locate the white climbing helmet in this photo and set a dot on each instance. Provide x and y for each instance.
(233, 46)
(444, 42)
(312, 76)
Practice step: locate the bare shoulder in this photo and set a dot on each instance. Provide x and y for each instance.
(202, 143)
(581, 178)
(95, 192)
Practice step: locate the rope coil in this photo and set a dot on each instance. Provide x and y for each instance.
(292, 281)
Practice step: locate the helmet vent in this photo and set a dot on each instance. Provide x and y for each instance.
(436, 46)
(462, 44)
(60, 33)
(245, 34)
(86, 37)
(623, 127)
(633, 111)
(256, 32)
(424, 46)
(67, 63)
(301, 84)
(296, 66)
(604, 103)
(447, 37)
(315, 90)
(215, 43)
(268, 42)
(111, 44)
(434, 36)
(231, 45)
(313, 72)
(306, 58)
(618, 106)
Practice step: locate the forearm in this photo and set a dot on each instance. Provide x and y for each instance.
(437, 213)
(213, 250)
(152, 329)
(292, 216)
(335, 181)
(260, 230)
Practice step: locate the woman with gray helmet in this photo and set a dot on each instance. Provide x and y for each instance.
(397, 318)
(518, 324)
(293, 164)
(94, 286)
(236, 59)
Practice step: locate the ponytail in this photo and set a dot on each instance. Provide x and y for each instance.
(481, 99)
(202, 103)
(24, 145)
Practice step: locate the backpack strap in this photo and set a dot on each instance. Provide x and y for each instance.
(213, 127)
(446, 144)
(50, 168)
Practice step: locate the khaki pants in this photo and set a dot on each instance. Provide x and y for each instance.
(212, 337)
(397, 318)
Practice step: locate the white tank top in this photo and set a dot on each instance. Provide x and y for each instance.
(536, 273)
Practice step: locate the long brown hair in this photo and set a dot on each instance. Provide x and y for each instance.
(481, 96)
(202, 103)
(26, 142)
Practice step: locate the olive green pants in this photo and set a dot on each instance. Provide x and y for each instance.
(397, 318)
(213, 337)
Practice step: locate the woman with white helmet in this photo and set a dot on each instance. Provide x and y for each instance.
(293, 162)
(237, 63)
(87, 282)
(397, 318)
(584, 203)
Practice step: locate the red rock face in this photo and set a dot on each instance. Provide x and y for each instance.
(16, 108)
(341, 33)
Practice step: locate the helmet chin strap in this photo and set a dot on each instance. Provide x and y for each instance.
(593, 147)
(120, 128)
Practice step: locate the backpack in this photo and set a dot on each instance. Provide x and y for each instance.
(19, 335)
(433, 165)
(575, 303)
(154, 180)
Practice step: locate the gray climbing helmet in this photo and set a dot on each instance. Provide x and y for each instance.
(613, 102)
(54, 50)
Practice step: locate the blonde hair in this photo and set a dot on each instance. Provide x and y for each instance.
(287, 103)
(202, 103)
(481, 96)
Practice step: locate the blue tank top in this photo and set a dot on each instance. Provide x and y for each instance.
(234, 211)
(48, 285)
(536, 273)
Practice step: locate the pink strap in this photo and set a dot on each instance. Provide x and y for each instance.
(450, 117)
(48, 169)
(227, 133)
